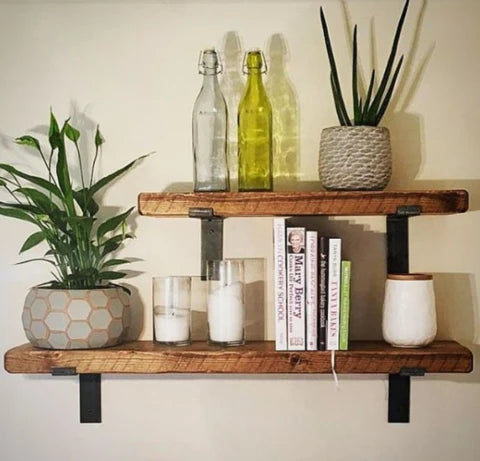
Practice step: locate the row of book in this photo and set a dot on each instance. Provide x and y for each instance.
(312, 290)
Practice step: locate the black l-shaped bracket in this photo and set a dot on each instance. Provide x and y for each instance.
(398, 263)
(211, 236)
(90, 393)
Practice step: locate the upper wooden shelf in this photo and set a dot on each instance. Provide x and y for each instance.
(254, 357)
(229, 204)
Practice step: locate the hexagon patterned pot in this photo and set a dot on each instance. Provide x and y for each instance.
(355, 158)
(76, 319)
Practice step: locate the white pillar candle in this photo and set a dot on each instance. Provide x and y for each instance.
(172, 327)
(226, 313)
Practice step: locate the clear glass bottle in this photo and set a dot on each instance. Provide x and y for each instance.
(209, 129)
(255, 129)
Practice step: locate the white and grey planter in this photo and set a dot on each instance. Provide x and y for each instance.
(76, 319)
(355, 158)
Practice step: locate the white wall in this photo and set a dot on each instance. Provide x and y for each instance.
(132, 68)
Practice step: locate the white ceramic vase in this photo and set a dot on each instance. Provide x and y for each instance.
(409, 316)
(76, 319)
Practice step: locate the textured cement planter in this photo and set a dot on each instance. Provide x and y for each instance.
(76, 319)
(355, 158)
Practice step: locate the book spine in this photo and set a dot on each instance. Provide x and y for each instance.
(333, 321)
(311, 290)
(296, 288)
(280, 281)
(345, 304)
(322, 293)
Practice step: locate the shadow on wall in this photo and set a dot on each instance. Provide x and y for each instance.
(285, 111)
(232, 88)
(367, 251)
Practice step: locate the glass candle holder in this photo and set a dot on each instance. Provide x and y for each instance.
(226, 302)
(172, 310)
(409, 317)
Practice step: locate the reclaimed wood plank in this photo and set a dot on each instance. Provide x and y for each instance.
(230, 204)
(252, 358)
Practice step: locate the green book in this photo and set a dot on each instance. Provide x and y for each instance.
(345, 304)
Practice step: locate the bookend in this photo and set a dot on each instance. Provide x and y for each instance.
(398, 263)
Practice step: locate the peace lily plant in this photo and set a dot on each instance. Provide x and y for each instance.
(77, 308)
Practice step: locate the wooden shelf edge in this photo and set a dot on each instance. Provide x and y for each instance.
(357, 203)
(146, 357)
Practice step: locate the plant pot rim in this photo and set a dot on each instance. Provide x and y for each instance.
(352, 127)
(109, 287)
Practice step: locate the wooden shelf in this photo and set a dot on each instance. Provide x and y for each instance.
(253, 358)
(239, 204)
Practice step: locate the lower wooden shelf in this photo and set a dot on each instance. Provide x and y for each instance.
(255, 357)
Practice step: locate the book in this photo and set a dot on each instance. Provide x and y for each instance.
(346, 271)
(280, 284)
(311, 290)
(322, 292)
(333, 315)
(296, 288)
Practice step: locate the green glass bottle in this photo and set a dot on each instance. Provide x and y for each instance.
(255, 129)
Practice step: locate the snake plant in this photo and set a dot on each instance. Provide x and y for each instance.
(369, 109)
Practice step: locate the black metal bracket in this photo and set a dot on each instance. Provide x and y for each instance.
(398, 263)
(409, 210)
(90, 398)
(64, 371)
(211, 235)
(397, 244)
(90, 393)
(399, 394)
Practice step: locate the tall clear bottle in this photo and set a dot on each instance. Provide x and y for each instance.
(255, 129)
(209, 129)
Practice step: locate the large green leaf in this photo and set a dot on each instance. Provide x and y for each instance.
(333, 67)
(388, 68)
(369, 97)
(112, 223)
(32, 241)
(39, 199)
(115, 262)
(113, 244)
(63, 176)
(17, 214)
(43, 183)
(389, 93)
(30, 209)
(108, 179)
(356, 108)
(111, 275)
(86, 202)
(54, 132)
(36, 259)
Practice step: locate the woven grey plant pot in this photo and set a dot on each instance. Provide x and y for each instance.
(76, 319)
(355, 158)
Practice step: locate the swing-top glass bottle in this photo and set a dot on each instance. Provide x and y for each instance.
(255, 129)
(209, 129)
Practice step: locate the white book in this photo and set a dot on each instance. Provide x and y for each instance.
(296, 288)
(311, 287)
(280, 283)
(334, 271)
